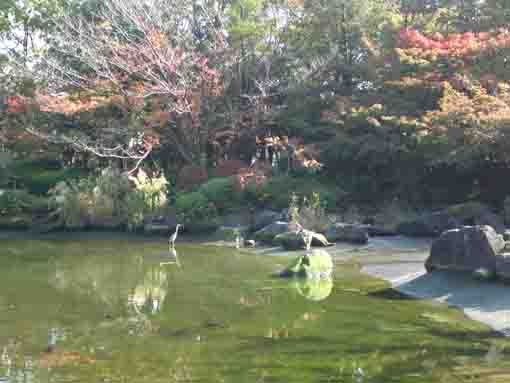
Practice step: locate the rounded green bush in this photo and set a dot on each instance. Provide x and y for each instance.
(220, 191)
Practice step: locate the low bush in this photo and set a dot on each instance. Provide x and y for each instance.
(221, 192)
(40, 177)
(135, 210)
(194, 207)
(20, 201)
(110, 200)
(278, 190)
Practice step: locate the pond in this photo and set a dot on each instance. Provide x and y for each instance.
(129, 311)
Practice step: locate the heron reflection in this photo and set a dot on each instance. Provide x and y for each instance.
(148, 296)
(173, 258)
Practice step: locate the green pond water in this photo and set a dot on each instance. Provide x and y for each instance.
(128, 311)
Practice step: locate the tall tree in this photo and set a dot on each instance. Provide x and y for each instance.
(146, 60)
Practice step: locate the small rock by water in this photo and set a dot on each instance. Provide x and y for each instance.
(316, 264)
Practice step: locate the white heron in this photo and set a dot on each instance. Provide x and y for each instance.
(173, 237)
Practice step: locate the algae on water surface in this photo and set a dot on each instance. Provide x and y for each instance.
(122, 311)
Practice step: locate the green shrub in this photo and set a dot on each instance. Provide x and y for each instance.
(220, 191)
(135, 210)
(278, 191)
(18, 201)
(75, 201)
(39, 177)
(194, 209)
(94, 201)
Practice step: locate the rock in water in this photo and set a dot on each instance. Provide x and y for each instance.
(294, 240)
(249, 243)
(466, 249)
(483, 275)
(314, 289)
(268, 233)
(345, 232)
(503, 267)
(317, 264)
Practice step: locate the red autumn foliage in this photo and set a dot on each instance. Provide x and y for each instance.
(17, 104)
(464, 46)
(61, 359)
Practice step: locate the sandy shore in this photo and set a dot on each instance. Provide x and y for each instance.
(400, 261)
(486, 302)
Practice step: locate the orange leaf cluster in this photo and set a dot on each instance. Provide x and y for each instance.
(465, 46)
(249, 176)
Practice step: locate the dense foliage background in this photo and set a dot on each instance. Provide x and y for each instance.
(378, 101)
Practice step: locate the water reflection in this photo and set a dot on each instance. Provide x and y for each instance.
(215, 319)
(138, 283)
(314, 289)
(317, 266)
(148, 295)
(171, 259)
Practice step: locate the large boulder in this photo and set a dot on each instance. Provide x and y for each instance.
(433, 224)
(466, 249)
(268, 233)
(345, 232)
(503, 267)
(476, 214)
(293, 240)
(265, 218)
(317, 264)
